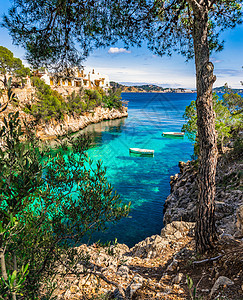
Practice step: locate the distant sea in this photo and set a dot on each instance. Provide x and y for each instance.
(142, 180)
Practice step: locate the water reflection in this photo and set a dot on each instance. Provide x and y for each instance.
(106, 126)
(104, 131)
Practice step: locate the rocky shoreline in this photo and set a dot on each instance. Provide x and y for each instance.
(73, 124)
(159, 267)
(156, 268)
(69, 124)
(182, 202)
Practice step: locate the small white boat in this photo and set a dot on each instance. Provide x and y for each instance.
(178, 134)
(141, 151)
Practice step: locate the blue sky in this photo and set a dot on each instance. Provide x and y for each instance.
(139, 65)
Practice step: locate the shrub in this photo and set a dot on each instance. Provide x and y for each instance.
(76, 104)
(49, 105)
(227, 122)
(113, 98)
(48, 201)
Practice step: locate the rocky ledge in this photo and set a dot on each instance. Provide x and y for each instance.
(182, 202)
(167, 266)
(73, 124)
(156, 268)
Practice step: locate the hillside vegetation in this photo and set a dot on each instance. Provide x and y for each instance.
(49, 104)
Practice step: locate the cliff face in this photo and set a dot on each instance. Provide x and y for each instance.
(181, 203)
(68, 124)
(71, 124)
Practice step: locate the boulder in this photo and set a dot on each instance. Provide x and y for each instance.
(221, 281)
(176, 229)
(123, 271)
(239, 221)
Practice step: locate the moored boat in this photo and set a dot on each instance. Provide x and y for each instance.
(141, 151)
(177, 134)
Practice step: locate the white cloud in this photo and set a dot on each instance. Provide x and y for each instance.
(216, 61)
(118, 50)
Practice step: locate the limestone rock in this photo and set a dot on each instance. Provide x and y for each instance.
(222, 280)
(176, 230)
(178, 278)
(74, 289)
(173, 265)
(149, 248)
(123, 271)
(239, 221)
(134, 285)
(181, 204)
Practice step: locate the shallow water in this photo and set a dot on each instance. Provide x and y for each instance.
(142, 180)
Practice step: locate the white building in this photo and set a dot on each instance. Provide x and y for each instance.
(80, 79)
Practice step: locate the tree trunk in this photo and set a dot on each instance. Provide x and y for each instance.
(205, 233)
(3, 264)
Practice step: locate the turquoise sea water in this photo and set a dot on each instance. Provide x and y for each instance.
(142, 180)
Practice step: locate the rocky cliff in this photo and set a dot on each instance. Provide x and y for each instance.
(159, 266)
(70, 124)
(54, 128)
(182, 202)
(156, 268)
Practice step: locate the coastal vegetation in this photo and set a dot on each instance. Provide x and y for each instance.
(49, 199)
(12, 66)
(51, 105)
(228, 120)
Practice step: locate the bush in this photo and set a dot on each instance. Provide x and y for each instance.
(48, 201)
(93, 98)
(227, 122)
(50, 104)
(113, 99)
(76, 104)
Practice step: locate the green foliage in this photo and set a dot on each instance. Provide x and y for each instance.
(49, 199)
(233, 101)
(109, 246)
(12, 66)
(14, 283)
(76, 104)
(113, 98)
(192, 290)
(227, 122)
(166, 26)
(190, 116)
(12, 98)
(92, 98)
(49, 105)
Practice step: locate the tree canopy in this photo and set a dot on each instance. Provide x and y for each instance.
(51, 31)
(12, 66)
(227, 122)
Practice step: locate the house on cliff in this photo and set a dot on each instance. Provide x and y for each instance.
(79, 78)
